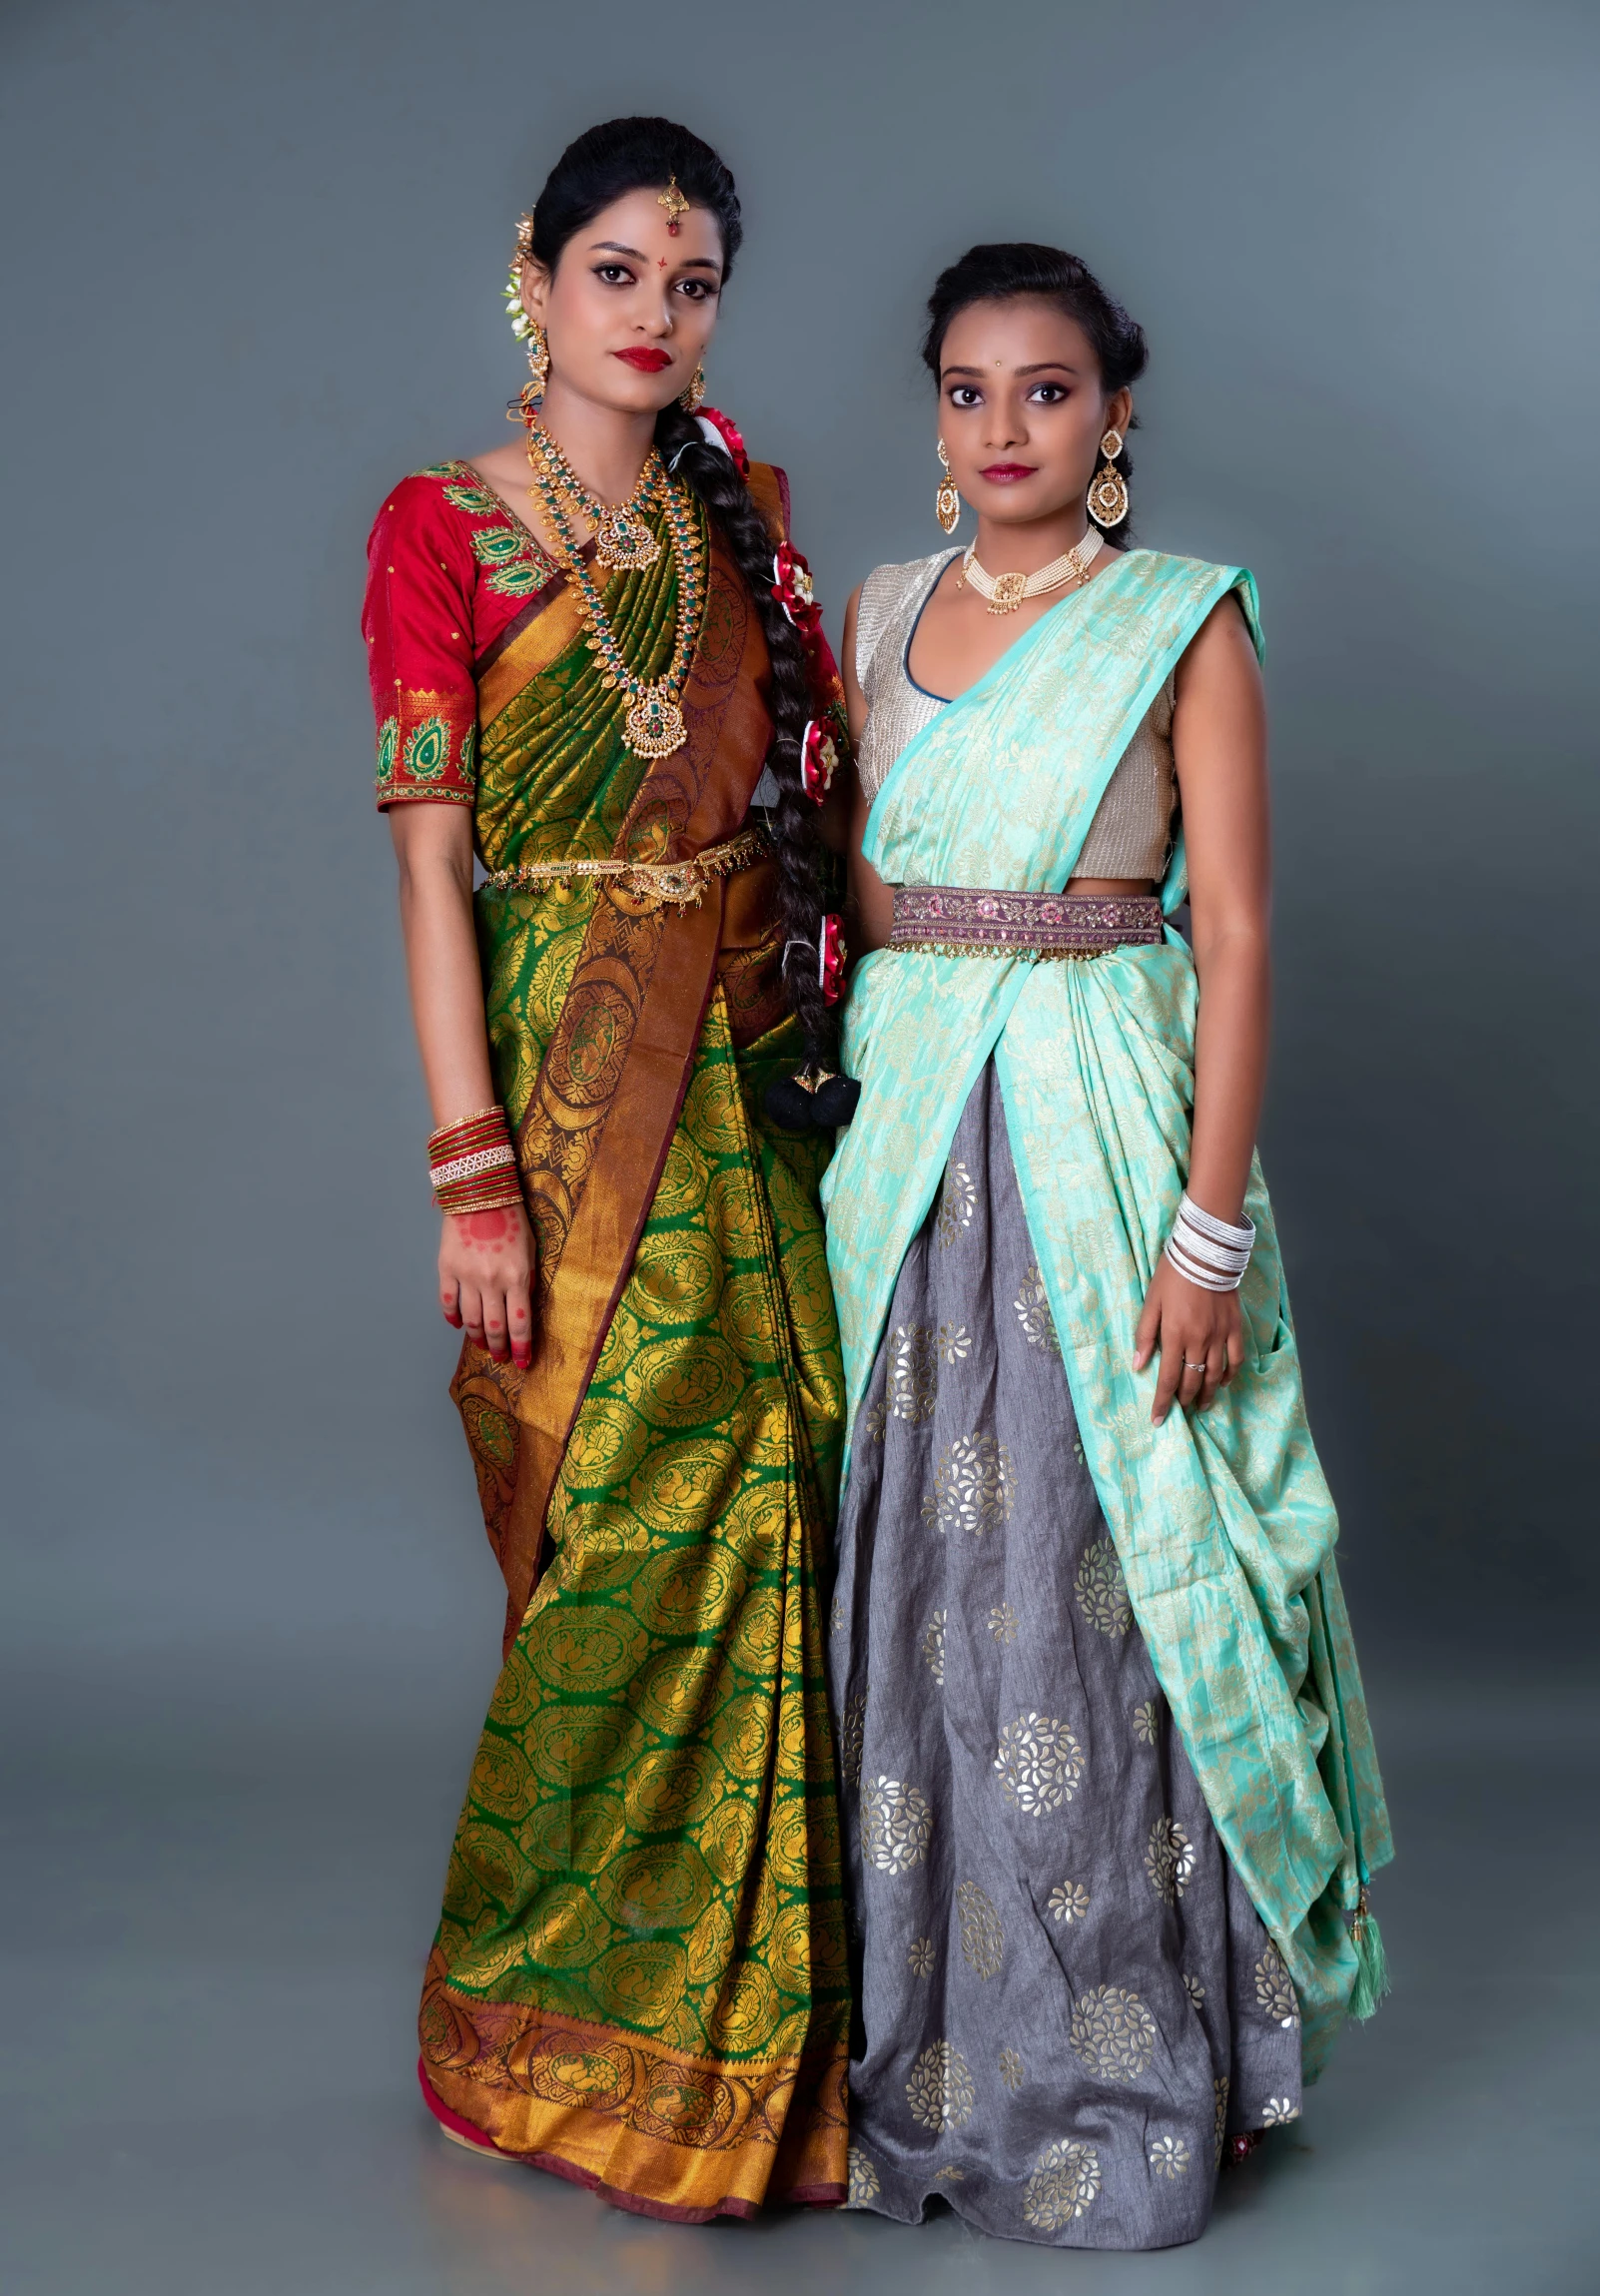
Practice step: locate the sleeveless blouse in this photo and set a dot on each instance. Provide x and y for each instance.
(1132, 832)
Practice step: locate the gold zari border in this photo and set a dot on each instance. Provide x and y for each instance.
(679, 2131)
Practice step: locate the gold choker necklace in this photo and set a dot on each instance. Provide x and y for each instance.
(622, 536)
(1005, 592)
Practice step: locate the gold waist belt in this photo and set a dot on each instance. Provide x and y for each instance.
(658, 884)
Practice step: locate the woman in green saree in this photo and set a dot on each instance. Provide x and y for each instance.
(1110, 1804)
(613, 688)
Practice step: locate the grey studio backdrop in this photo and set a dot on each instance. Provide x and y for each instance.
(249, 1619)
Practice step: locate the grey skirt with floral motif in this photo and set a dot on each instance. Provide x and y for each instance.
(1066, 1999)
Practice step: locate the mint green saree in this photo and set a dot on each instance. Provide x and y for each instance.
(1223, 1523)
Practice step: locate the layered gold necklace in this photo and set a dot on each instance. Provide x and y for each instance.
(622, 534)
(1005, 592)
(655, 724)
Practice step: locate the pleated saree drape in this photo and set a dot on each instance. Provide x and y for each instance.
(1223, 1523)
(639, 1976)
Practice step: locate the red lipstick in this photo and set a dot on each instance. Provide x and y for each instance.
(1008, 473)
(646, 361)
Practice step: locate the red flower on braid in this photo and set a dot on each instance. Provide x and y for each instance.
(793, 588)
(728, 431)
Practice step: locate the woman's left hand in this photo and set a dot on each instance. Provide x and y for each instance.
(1198, 1335)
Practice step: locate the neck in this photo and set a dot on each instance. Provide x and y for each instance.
(1004, 548)
(605, 446)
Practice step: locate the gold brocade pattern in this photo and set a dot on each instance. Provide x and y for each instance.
(640, 1970)
(642, 1919)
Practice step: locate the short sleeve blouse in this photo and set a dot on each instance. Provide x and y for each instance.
(448, 570)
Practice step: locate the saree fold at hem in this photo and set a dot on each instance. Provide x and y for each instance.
(783, 2142)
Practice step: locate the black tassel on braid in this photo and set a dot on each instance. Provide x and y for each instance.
(602, 166)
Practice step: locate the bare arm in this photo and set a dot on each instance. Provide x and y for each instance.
(1219, 750)
(486, 1258)
(872, 902)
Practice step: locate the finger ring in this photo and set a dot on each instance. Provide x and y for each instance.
(1193, 1366)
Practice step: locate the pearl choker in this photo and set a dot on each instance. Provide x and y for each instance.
(1005, 592)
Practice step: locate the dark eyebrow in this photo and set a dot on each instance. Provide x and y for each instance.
(1040, 367)
(615, 247)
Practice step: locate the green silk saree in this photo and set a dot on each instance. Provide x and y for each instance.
(639, 1974)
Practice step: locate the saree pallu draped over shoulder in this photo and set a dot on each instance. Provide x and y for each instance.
(1222, 1522)
(640, 1979)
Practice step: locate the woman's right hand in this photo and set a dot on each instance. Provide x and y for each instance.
(486, 1277)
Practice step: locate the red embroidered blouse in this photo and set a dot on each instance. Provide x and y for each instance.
(448, 569)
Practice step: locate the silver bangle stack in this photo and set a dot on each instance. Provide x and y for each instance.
(1208, 1252)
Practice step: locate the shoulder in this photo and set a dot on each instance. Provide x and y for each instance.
(885, 592)
(886, 585)
(1180, 583)
(1166, 570)
(434, 500)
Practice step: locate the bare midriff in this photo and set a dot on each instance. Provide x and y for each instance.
(1098, 885)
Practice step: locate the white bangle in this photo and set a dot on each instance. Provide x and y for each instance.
(1238, 1238)
(1207, 1251)
(469, 1166)
(1207, 1278)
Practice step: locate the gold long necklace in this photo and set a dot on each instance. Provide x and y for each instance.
(1005, 592)
(655, 724)
(622, 536)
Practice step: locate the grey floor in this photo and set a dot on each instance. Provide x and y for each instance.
(213, 1927)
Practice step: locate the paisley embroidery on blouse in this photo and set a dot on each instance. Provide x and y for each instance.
(427, 750)
(515, 564)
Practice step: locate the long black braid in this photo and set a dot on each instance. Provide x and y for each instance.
(797, 847)
(599, 167)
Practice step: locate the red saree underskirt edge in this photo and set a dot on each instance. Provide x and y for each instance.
(803, 2196)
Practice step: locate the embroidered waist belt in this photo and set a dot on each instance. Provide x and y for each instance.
(658, 884)
(969, 921)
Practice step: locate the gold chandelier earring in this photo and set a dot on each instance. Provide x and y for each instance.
(691, 400)
(1108, 498)
(947, 502)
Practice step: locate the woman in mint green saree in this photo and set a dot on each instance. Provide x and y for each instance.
(1110, 1799)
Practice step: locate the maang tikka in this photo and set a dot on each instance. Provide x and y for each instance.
(947, 502)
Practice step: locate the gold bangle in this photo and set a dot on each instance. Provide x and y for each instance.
(455, 1122)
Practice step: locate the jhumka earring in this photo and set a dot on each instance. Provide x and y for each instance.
(691, 398)
(1108, 498)
(524, 329)
(947, 502)
(539, 360)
